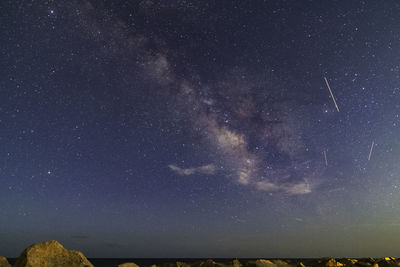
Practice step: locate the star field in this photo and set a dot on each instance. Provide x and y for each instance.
(201, 128)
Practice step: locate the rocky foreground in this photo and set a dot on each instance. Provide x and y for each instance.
(53, 254)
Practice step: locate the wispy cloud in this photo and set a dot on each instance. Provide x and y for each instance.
(206, 169)
(299, 189)
(267, 186)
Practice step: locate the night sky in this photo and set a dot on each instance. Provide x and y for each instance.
(187, 128)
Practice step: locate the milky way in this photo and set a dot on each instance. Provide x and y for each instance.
(247, 118)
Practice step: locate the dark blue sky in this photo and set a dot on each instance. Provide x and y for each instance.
(198, 128)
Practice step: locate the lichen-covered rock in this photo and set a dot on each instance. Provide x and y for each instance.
(4, 262)
(128, 264)
(51, 254)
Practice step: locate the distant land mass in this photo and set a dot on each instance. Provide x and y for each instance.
(53, 254)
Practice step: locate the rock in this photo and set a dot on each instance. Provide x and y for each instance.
(176, 264)
(389, 259)
(264, 263)
(388, 262)
(280, 263)
(4, 262)
(348, 262)
(51, 254)
(182, 264)
(233, 263)
(363, 263)
(236, 263)
(331, 263)
(207, 263)
(128, 264)
(269, 263)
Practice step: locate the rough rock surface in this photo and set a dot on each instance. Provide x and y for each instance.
(236, 263)
(264, 263)
(51, 254)
(128, 264)
(388, 262)
(208, 263)
(182, 264)
(281, 263)
(348, 262)
(4, 262)
(176, 264)
(333, 263)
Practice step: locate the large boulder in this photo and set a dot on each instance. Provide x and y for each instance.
(4, 262)
(51, 254)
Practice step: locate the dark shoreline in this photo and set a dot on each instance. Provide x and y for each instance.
(147, 262)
